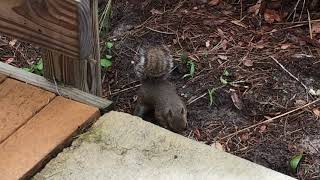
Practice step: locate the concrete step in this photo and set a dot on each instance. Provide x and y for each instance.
(121, 146)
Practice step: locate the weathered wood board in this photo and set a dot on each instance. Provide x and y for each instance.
(66, 91)
(67, 30)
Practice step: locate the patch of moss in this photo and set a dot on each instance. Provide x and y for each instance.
(94, 135)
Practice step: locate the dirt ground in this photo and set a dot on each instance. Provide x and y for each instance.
(215, 42)
(252, 55)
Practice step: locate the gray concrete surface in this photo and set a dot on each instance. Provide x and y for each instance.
(121, 146)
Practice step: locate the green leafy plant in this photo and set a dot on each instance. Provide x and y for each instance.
(212, 94)
(190, 64)
(222, 79)
(36, 68)
(109, 45)
(295, 161)
(106, 62)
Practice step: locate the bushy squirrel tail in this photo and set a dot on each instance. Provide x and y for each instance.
(153, 62)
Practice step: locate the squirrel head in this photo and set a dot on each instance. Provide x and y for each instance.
(174, 119)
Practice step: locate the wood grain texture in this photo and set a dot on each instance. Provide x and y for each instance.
(83, 74)
(49, 23)
(103, 104)
(68, 32)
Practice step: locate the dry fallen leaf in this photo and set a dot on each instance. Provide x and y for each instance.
(236, 100)
(222, 57)
(196, 133)
(239, 23)
(219, 22)
(224, 44)
(9, 60)
(259, 46)
(263, 128)
(299, 56)
(174, 41)
(285, 46)
(244, 136)
(208, 43)
(316, 28)
(271, 15)
(267, 117)
(214, 2)
(12, 42)
(247, 62)
(227, 12)
(220, 32)
(314, 92)
(300, 102)
(213, 21)
(209, 22)
(156, 12)
(316, 111)
(255, 8)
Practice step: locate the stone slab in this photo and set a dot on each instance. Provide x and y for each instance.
(2, 77)
(120, 146)
(18, 103)
(25, 151)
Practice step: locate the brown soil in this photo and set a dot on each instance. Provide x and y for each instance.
(264, 88)
(215, 41)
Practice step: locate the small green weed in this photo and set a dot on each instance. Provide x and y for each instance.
(109, 45)
(191, 65)
(295, 161)
(212, 92)
(107, 61)
(36, 68)
(212, 95)
(225, 74)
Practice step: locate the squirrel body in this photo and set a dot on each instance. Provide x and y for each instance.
(158, 95)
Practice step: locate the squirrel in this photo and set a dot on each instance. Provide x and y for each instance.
(157, 95)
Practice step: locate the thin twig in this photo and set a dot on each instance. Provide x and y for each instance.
(190, 101)
(162, 32)
(300, 22)
(271, 119)
(294, 11)
(105, 14)
(126, 89)
(56, 85)
(303, 4)
(309, 22)
(294, 77)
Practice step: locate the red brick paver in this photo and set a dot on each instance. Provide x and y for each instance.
(30, 146)
(18, 103)
(2, 78)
